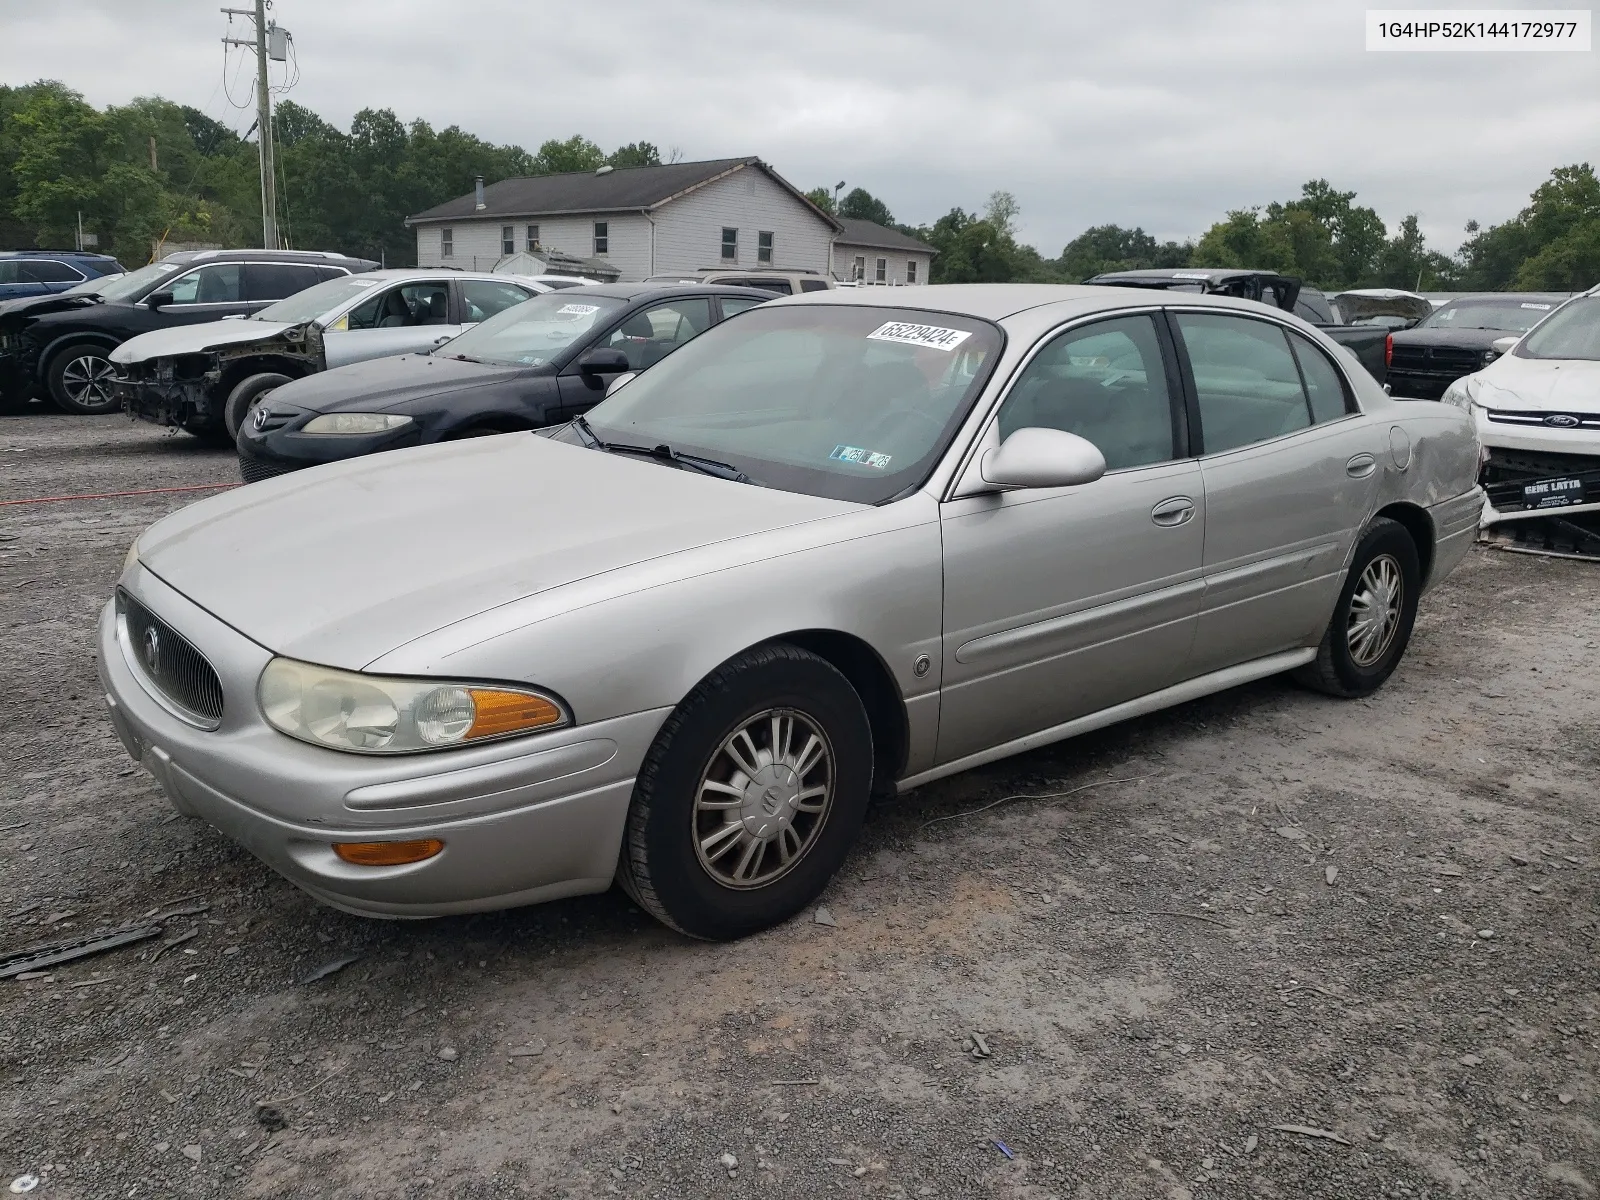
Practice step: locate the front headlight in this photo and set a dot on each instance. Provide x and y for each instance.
(353, 423)
(1459, 394)
(373, 714)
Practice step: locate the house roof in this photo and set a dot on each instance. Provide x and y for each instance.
(880, 237)
(624, 189)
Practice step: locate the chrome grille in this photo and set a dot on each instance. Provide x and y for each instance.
(171, 664)
(1542, 419)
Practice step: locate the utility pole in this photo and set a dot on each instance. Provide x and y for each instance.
(269, 188)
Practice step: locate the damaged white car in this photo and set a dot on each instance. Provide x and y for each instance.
(1537, 411)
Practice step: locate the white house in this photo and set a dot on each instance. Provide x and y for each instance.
(640, 221)
(870, 253)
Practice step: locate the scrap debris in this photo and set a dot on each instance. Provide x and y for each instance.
(56, 953)
(1312, 1131)
(329, 968)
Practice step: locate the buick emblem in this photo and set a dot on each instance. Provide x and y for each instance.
(1561, 420)
(770, 801)
(151, 645)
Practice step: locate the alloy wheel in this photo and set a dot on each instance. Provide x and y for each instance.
(1375, 609)
(763, 798)
(87, 380)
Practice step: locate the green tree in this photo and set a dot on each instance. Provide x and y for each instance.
(822, 197)
(861, 205)
(1001, 210)
(577, 153)
(971, 250)
(1406, 262)
(635, 154)
(1112, 248)
(1552, 244)
(1321, 236)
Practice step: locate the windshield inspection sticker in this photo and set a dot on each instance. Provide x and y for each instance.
(578, 310)
(867, 458)
(931, 337)
(1540, 307)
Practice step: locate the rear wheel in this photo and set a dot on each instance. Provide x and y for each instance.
(751, 796)
(79, 379)
(249, 392)
(1372, 620)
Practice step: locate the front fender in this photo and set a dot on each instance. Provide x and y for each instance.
(641, 637)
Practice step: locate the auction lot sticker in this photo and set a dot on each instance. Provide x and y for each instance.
(931, 337)
(1461, 29)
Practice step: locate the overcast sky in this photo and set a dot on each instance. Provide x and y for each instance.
(1159, 113)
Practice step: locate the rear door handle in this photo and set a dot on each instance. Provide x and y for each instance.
(1174, 511)
(1361, 466)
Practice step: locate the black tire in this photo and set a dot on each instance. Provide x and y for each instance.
(661, 866)
(78, 379)
(245, 396)
(1338, 670)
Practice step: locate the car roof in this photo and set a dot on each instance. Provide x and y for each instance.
(635, 291)
(1198, 274)
(999, 301)
(94, 254)
(1497, 297)
(190, 257)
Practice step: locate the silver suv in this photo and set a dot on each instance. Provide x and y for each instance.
(787, 282)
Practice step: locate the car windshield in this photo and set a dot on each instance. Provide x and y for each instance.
(1574, 332)
(1512, 316)
(852, 403)
(530, 334)
(134, 283)
(316, 300)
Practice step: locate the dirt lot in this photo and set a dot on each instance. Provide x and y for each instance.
(1372, 919)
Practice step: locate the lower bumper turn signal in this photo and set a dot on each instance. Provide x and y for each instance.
(387, 854)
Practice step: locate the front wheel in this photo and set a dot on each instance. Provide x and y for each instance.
(245, 396)
(1372, 621)
(79, 379)
(751, 796)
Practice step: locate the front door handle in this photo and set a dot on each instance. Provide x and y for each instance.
(1177, 510)
(1361, 466)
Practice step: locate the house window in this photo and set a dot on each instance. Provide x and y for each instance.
(764, 248)
(533, 238)
(447, 243)
(508, 239)
(860, 272)
(911, 270)
(602, 238)
(730, 245)
(883, 270)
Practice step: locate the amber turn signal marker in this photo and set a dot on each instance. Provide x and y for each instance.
(387, 854)
(509, 712)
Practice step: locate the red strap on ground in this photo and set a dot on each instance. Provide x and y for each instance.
(198, 487)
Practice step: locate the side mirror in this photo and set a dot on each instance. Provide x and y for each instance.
(603, 360)
(1504, 345)
(625, 378)
(157, 299)
(1035, 457)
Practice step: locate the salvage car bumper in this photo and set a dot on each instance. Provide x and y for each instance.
(180, 403)
(1533, 469)
(522, 821)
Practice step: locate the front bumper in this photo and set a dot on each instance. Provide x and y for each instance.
(179, 403)
(1519, 455)
(523, 821)
(273, 444)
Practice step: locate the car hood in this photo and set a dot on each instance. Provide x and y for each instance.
(1556, 385)
(343, 563)
(380, 384)
(27, 307)
(194, 339)
(1455, 339)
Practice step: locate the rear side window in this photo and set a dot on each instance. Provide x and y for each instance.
(274, 281)
(1245, 378)
(483, 298)
(1104, 382)
(813, 285)
(46, 270)
(1324, 385)
(403, 307)
(736, 304)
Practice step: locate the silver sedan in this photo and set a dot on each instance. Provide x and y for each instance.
(840, 544)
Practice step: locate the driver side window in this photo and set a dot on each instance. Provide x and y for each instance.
(1104, 382)
(219, 283)
(649, 336)
(404, 306)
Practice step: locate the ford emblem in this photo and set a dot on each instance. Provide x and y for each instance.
(1561, 420)
(151, 645)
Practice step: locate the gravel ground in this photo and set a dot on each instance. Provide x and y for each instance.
(1173, 938)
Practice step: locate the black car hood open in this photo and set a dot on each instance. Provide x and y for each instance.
(1456, 339)
(385, 383)
(28, 307)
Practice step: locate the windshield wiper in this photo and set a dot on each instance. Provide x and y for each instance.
(665, 453)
